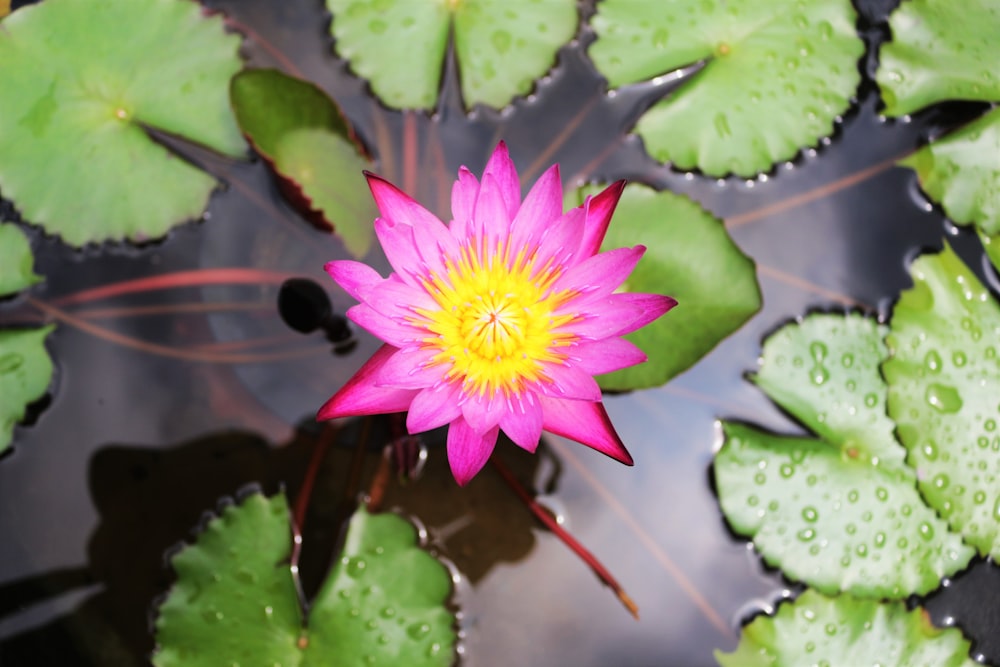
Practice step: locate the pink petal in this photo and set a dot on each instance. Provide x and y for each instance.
(568, 381)
(586, 422)
(361, 397)
(560, 239)
(605, 356)
(543, 204)
(523, 425)
(395, 298)
(469, 451)
(602, 318)
(434, 407)
(599, 211)
(501, 167)
(397, 206)
(601, 274)
(408, 369)
(491, 219)
(463, 202)
(354, 277)
(650, 306)
(482, 413)
(400, 249)
(389, 329)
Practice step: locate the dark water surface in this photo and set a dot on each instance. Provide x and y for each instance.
(137, 443)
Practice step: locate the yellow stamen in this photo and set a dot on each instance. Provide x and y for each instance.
(496, 325)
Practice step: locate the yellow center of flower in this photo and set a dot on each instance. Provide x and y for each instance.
(496, 325)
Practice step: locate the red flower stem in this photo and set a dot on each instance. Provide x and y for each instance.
(380, 481)
(173, 309)
(327, 436)
(546, 518)
(279, 57)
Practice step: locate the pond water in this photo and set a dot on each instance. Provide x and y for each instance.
(205, 390)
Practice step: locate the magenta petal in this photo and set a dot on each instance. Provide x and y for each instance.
(408, 369)
(397, 206)
(482, 413)
(434, 407)
(649, 307)
(469, 451)
(605, 356)
(389, 329)
(361, 397)
(400, 249)
(560, 239)
(523, 425)
(501, 168)
(599, 210)
(395, 298)
(567, 381)
(491, 218)
(463, 203)
(603, 318)
(601, 274)
(354, 277)
(585, 422)
(543, 204)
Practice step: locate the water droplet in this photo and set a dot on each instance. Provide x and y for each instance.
(933, 362)
(930, 450)
(830, 629)
(377, 26)
(418, 630)
(825, 30)
(943, 398)
(990, 425)
(850, 529)
(818, 374)
(881, 493)
(356, 567)
(810, 514)
(806, 534)
(759, 478)
(434, 649)
(786, 470)
(722, 125)
(880, 539)
(501, 41)
(926, 531)
(941, 481)
(388, 612)
(861, 550)
(852, 495)
(871, 400)
(10, 362)
(958, 358)
(660, 37)
(979, 497)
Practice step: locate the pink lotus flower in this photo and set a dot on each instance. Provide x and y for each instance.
(498, 321)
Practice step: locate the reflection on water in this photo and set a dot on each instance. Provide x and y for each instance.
(85, 523)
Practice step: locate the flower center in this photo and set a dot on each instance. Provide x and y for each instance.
(496, 326)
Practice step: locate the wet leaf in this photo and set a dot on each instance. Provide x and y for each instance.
(944, 393)
(961, 171)
(236, 602)
(839, 512)
(16, 261)
(302, 134)
(817, 630)
(75, 95)
(777, 75)
(940, 50)
(501, 46)
(25, 375)
(690, 257)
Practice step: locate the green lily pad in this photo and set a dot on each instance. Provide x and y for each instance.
(236, 599)
(818, 630)
(961, 171)
(777, 76)
(304, 137)
(944, 394)
(689, 257)
(501, 46)
(76, 159)
(940, 50)
(840, 512)
(25, 375)
(16, 261)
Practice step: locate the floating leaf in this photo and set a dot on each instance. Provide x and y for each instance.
(940, 50)
(944, 393)
(303, 135)
(778, 74)
(817, 630)
(961, 171)
(75, 95)
(16, 261)
(501, 46)
(236, 602)
(841, 512)
(689, 257)
(25, 375)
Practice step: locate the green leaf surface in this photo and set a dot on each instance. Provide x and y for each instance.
(842, 631)
(991, 244)
(690, 257)
(944, 393)
(961, 171)
(305, 138)
(75, 95)
(777, 76)
(502, 46)
(841, 512)
(940, 50)
(236, 601)
(25, 375)
(16, 261)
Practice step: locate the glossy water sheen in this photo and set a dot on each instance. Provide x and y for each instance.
(135, 446)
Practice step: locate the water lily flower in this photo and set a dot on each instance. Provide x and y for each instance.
(497, 321)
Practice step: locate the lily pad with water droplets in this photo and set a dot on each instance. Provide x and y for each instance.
(839, 512)
(841, 631)
(236, 601)
(501, 46)
(75, 97)
(16, 261)
(777, 75)
(690, 257)
(944, 393)
(25, 375)
(940, 50)
(302, 134)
